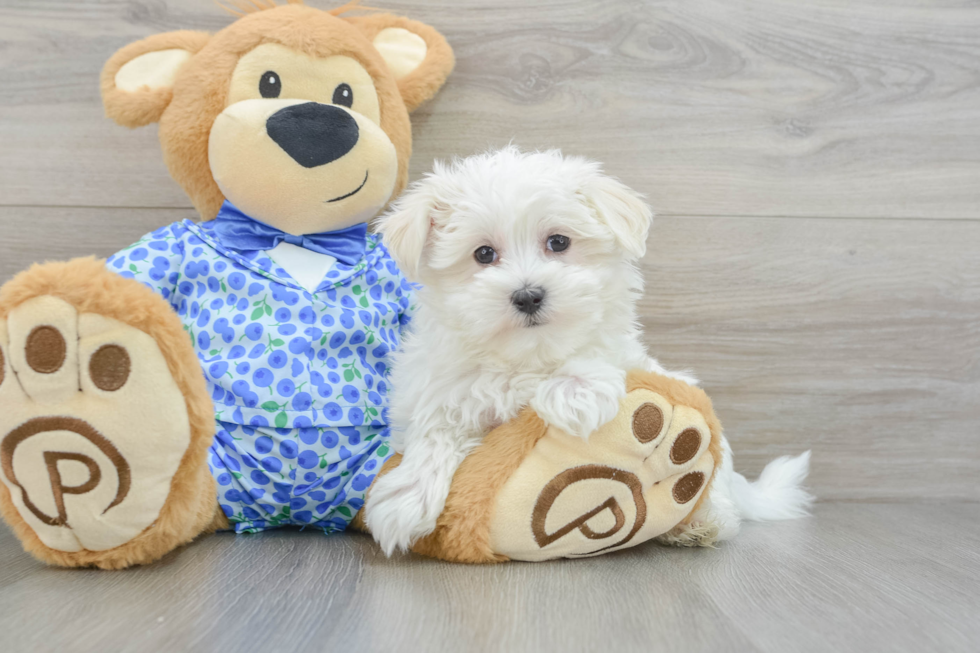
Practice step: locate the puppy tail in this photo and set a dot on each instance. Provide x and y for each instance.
(778, 493)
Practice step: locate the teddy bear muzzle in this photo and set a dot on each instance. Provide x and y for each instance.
(313, 134)
(301, 166)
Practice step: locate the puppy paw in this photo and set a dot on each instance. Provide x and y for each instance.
(401, 509)
(580, 404)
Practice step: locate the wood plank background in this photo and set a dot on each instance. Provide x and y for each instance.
(816, 170)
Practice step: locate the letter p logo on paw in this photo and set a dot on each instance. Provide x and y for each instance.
(51, 460)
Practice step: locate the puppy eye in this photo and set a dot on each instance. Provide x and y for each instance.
(558, 243)
(343, 95)
(270, 85)
(485, 255)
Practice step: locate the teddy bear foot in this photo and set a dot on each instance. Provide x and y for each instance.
(104, 419)
(636, 478)
(533, 492)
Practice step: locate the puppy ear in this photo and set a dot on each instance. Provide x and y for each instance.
(406, 226)
(621, 209)
(137, 81)
(417, 55)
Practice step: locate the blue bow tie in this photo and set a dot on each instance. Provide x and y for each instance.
(239, 232)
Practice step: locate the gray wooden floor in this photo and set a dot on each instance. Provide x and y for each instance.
(854, 577)
(816, 261)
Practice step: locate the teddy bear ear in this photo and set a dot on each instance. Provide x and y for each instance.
(417, 55)
(137, 81)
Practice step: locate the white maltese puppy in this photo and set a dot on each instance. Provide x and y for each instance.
(529, 291)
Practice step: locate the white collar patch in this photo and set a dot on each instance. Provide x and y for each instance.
(306, 267)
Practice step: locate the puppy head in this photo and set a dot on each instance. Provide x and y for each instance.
(527, 256)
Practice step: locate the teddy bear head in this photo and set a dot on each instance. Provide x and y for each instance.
(296, 115)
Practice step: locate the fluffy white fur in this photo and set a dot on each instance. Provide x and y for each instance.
(473, 361)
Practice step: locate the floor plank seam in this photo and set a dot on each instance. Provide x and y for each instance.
(661, 215)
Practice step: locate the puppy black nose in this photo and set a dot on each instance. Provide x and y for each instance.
(312, 133)
(528, 300)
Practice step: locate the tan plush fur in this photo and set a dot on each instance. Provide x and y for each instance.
(462, 533)
(191, 507)
(421, 84)
(147, 105)
(200, 89)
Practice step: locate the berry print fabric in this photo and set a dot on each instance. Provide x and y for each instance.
(299, 380)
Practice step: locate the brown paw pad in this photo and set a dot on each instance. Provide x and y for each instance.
(45, 350)
(686, 488)
(109, 367)
(648, 421)
(686, 446)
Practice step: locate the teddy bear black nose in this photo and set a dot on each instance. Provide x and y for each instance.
(312, 133)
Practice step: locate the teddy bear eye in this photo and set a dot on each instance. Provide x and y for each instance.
(343, 95)
(270, 85)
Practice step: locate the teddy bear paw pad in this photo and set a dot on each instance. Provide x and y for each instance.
(93, 426)
(634, 479)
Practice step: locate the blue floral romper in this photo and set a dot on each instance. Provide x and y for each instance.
(299, 380)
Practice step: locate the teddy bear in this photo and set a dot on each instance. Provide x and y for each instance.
(232, 373)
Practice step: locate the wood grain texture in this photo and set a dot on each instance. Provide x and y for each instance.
(713, 107)
(858, 338)
(855, 577)
(38, 234)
